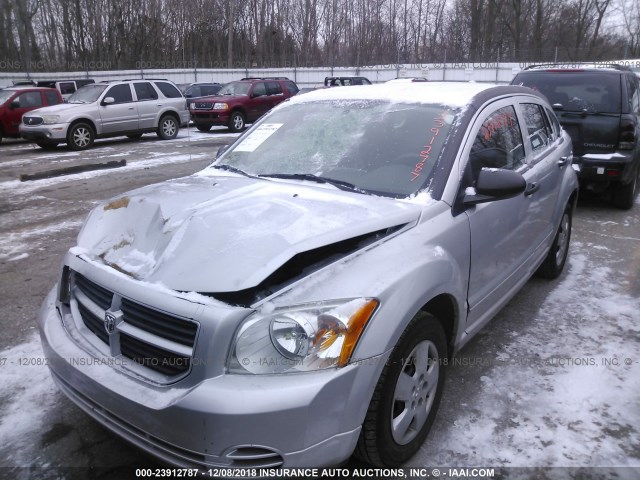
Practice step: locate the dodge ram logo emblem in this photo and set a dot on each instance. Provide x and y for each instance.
(109, 322)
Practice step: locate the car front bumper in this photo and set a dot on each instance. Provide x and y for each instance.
(210, 117)
(53, 133)
(221, 420)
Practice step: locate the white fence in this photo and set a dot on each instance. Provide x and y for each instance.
(307, 77)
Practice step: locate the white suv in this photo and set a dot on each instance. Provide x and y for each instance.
(109, 109)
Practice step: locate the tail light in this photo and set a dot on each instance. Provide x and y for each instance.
(627, 139)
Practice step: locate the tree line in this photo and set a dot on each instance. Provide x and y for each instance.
(132, 34)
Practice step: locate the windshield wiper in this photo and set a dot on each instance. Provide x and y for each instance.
(229, 168)
(342, 185)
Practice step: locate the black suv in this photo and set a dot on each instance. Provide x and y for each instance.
(599, 106)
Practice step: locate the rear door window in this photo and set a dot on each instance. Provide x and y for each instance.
(52, 98)
(259, 89)
(291, 87)
(273, 88)
(144, 91)
(537, 129)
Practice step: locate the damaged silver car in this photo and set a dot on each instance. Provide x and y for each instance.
(294, 302)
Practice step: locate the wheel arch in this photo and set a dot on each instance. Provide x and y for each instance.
(86, 120)
(445, 309)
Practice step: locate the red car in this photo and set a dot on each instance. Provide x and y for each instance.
(241, 102)
(16, 101)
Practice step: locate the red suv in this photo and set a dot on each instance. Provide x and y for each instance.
(16, 101)
(241, 102)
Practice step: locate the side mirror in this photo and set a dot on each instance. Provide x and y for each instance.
(14, 104)
(558, 106)
(108, 101)
(495, 184)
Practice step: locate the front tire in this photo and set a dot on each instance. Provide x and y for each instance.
(407, 396)
(237, 122)
(168, 127)
(80, 136)
(203, 128)
(556, 258)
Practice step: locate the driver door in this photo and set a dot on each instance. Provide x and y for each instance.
(501, 242)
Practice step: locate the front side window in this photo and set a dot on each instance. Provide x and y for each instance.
(120, 93)
(501, 131)
(145, 91)
(380, 147)
(29, 100)
(536, 126)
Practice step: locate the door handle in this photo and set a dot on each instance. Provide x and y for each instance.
(531, 189)
(131, 108)
(565, 160)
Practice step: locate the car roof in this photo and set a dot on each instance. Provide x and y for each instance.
(451, 94)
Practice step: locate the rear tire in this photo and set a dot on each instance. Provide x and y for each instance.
(203, 128)
(556, 258)
(624, 196)
(168, 127)
(407, 396)
(80, 136)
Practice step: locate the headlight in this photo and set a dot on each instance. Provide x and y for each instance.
(300, 339)
(220, 106)
(50, 119)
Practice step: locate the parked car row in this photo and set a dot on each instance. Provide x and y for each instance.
(135, 107)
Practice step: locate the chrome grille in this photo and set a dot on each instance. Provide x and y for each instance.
(156, 340)
(163, 325)
(203, 105)
(32, 121)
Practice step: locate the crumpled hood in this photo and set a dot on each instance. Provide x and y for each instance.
(226, 233)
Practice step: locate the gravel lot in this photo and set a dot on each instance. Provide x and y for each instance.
(553, 381)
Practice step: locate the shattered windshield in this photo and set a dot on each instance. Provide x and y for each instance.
(369, 146)
(577, 91)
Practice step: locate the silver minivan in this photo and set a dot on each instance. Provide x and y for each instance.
(109, 109)
(298, 300)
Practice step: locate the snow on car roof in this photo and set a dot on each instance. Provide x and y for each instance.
(451, 94)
